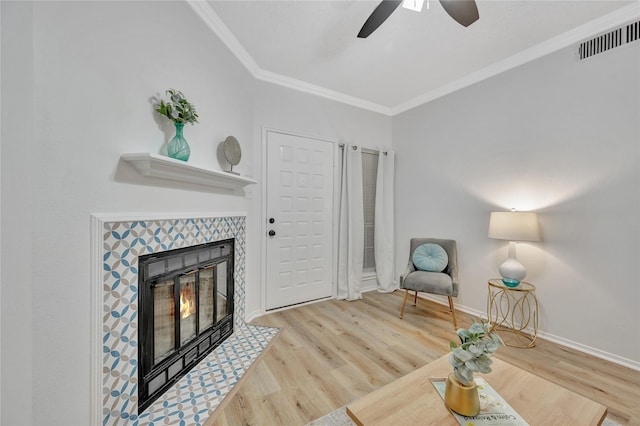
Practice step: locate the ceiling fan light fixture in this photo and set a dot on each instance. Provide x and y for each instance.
(415, 5)
(464, 12)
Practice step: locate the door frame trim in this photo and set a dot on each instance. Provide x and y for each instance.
(263, 211)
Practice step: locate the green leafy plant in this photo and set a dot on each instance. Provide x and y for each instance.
(177, 108)
(477, 344)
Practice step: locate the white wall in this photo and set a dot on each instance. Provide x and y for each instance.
(556, 136)
(16, 168)
(77, 82)
(0, 226)
(287, 109)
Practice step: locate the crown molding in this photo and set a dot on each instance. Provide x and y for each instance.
(305, 87)
(585, 31)
(578, 34)
(213, 21)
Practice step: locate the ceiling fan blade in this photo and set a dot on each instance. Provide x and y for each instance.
(465, 12)
(378, 16)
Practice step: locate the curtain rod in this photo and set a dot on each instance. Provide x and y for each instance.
(370, 151)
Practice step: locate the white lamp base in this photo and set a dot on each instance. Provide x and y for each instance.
(511, 270)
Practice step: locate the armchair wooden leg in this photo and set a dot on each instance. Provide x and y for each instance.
(404, 302)
(453, 313)
(415, 299)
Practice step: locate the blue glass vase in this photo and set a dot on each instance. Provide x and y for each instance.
(178, 147)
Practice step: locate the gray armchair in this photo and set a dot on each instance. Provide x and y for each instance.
(443, 283)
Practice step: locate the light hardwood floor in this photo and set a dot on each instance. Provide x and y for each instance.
(333, 352)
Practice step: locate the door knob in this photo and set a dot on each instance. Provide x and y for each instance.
(272, 233)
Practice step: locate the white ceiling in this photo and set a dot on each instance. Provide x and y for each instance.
(413, 57)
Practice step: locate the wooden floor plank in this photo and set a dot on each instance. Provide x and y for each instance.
(333, 352)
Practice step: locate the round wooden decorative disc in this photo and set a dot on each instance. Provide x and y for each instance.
(232, 150)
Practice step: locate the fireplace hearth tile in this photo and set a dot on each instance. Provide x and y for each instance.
(194, 398)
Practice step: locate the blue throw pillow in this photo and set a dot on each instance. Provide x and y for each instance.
(430, 257)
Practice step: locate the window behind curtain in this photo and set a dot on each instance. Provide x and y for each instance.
(369, 175)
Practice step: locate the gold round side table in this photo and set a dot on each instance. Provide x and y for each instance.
(513, 311)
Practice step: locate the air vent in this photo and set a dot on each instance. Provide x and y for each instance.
(633, 32)
(614, 38)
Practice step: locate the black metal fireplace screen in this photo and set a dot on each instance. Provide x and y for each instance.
(185, 311)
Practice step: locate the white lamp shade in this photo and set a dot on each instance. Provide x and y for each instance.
(514, 226)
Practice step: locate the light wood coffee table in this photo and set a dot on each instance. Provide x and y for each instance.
(412, 399)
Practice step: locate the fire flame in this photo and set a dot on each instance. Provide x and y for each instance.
(187, 304)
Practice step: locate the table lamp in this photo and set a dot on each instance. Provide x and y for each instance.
(513, 226)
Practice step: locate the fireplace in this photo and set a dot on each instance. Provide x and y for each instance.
(118, 241)
(186, 310)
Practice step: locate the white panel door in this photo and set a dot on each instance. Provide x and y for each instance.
(299, 207)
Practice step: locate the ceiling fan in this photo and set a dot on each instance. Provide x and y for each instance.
(465, 12)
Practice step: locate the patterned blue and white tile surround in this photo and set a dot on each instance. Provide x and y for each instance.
(197, 394)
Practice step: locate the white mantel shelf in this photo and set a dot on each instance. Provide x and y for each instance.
(162, 167)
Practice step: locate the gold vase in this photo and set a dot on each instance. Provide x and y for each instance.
(462, 399)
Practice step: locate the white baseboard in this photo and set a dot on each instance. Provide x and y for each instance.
(256, 314)
(369, 283)
(248, 317)
(616, 359)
